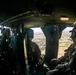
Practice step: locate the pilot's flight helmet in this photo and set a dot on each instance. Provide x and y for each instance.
(30, 33)
(73, 32)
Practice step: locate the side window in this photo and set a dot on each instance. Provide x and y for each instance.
(65, 41)
(39, 39)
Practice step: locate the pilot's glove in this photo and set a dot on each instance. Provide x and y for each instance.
(60, 67)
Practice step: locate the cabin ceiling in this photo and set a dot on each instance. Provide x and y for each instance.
(41, 11)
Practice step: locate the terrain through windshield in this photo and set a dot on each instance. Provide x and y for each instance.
(64, 42)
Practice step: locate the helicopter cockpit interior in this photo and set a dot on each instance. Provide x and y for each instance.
(37, 37)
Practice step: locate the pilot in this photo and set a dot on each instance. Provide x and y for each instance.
(5, 50)
(73, 36)
(33, 51)
(70, 54)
